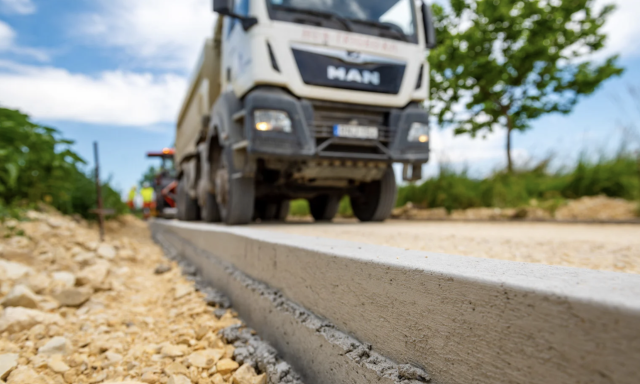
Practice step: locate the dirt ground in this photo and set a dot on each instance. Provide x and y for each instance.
(608, 247)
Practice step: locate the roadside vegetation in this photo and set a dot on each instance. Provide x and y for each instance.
(37, 165)
(617, 177)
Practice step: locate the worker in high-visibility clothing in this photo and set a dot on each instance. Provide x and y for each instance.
(132, 197)
(148, 199)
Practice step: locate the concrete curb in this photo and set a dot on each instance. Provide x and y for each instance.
(462, 319)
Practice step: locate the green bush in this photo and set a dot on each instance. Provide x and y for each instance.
(37, 165)
(613, 177)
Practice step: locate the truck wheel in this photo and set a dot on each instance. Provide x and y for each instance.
(235, 195)
(376, 199)
(272, 211)
(160, 203)
(187, 207)
(210, 212)
(283, 210)
(324, 207)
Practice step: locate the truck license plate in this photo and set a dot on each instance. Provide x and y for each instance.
(355, 131)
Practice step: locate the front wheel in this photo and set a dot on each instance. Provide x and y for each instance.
(235, 193)
(375, 200)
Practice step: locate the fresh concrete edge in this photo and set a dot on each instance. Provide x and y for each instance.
(321, 352)
(463, 319)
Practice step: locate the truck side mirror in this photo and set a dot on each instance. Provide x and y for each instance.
(429, 27)
(225, 8)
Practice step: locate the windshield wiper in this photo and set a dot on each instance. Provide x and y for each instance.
(384, 26)
(313, 12)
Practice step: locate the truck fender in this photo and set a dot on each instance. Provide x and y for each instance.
(222, 125)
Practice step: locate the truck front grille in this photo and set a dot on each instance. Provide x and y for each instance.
(328, 114)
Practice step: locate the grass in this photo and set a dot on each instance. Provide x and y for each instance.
(614, 177)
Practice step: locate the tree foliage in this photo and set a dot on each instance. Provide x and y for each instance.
(149, 176)
(37, 164)
(511, 61)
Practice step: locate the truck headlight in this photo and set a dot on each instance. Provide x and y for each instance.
(270, 120)
(419, 133)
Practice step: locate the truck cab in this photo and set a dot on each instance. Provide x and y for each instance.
(311, 99)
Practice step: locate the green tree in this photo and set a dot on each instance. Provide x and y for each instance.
(511, 61)
(34, 160)
(37, 164)
(149, 176)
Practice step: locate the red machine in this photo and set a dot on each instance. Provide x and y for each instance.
(165, 183)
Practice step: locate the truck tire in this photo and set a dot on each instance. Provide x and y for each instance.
(210, 213)
(283, 210)
(235, 195)
(272, 210)
(160, 205)
(324, 207)
(187, 207)
(376, 199)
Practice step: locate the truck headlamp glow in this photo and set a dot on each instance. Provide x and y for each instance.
(272, 121)
(419, 133)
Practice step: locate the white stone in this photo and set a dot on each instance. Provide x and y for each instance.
(93, 275)
(17, 319)
(21, 296)
(56, 346)
(15, 271)
(67, 279)
(113, 357)
(57, 365)
(73, 297)
(183, 290)
(8, 362)
(178, 379)
(55, 223)
(107, 251)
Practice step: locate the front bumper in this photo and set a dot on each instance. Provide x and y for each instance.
(312, 136)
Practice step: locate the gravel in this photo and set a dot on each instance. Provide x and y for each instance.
(121, 320)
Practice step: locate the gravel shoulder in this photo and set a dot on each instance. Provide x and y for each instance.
(594, 246)
(73, 310)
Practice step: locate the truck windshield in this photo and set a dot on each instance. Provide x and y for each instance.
(387, 18)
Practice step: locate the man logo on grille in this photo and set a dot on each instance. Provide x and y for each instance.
(353, 75)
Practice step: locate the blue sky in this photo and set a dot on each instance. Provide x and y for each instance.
(115, 71)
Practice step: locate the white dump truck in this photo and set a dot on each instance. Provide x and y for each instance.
(312, 99)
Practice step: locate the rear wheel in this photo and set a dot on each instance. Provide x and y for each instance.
(376, 199)
(324, 207)
(272, 210)
(210, 212)
(187, 207)
(235, 193)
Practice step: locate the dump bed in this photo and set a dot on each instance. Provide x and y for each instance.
(204, 89)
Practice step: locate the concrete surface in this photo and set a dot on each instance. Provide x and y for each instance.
(462, 319)
(606, 247)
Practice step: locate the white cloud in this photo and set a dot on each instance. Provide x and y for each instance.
(155, 33)
(622, 28)
(6, 36)
(7, 44)
(21, 7)
(115, 97)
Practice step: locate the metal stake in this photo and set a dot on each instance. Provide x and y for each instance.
(99, 211)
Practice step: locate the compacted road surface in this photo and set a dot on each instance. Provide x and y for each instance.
(608, 247)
